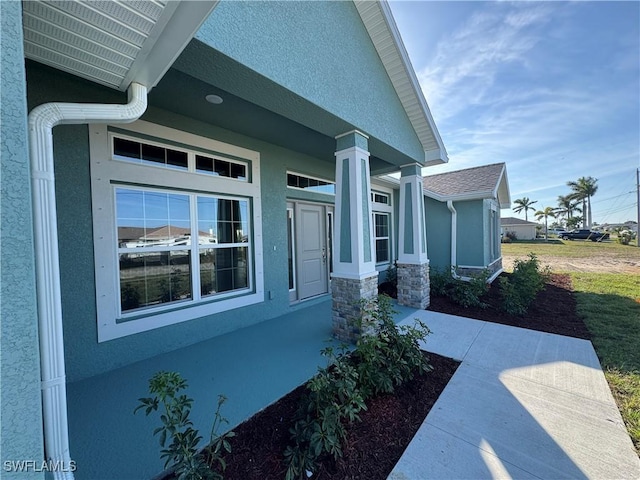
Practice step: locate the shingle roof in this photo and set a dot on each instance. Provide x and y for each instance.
(476, 182)
(515, 221)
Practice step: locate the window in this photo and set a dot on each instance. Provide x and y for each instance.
(377, 197)
(381, 225)
(310, 184)
(177, 242)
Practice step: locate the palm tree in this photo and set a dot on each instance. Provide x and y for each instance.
(524, 204)
(567, 206)
(546, 213)
(583, 189)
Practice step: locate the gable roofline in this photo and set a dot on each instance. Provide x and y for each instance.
(381, 27)
(512, 221)
(499, 190)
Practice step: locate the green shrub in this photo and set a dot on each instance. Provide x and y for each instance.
(333, 397)
(519, 290)
(469, 293)
(387, 355)
(182, 453)
(440, 281)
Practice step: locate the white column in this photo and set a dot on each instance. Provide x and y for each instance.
(354, 256)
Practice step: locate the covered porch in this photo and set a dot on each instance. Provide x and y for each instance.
(253, 367)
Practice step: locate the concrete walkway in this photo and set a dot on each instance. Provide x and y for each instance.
(522, 404)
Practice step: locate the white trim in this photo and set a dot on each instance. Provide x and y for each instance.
(418, 257)
(304, 175)
(42, 119)
(107, 172)
(350, 132)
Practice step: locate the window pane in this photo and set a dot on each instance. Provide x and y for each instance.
(223, 269)
(176, 159)
(154, 154)
(204, 164)
(382, 250)
(290, 248)
(222, 168)
(382, 225)
(148, 218)
(238, 171)
(126, 148)
(156, 278)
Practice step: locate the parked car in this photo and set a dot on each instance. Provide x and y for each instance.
(584, 234)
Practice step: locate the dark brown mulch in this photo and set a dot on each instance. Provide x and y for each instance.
(372, 448)
(554, 310)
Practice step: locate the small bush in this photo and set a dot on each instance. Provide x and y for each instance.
(519, 290)
(511, 235)
(505, 239)
(388, 355)
(182, 453)
(440, 281)
(469, 293)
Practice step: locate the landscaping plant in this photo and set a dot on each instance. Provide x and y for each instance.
(467, 293)
(333, 398)
(519, 290)
(386, 355)
(182, 454)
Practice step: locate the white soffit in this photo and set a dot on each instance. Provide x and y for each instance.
(111, 42)
(378, 21)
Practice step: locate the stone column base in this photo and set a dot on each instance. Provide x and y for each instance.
(347, 294)
(413, 285)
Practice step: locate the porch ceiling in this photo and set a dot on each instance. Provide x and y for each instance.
(112, 43)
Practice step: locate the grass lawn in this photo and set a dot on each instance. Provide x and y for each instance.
(610, 305)
(571, 249)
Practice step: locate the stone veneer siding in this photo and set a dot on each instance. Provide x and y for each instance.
(347, 294)
(413, 285)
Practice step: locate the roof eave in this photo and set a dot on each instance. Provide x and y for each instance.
(404, 79)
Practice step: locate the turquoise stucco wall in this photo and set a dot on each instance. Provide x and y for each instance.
(321, 51)
(84, 356)
(471, 232)
(438, 234)
(21, 426)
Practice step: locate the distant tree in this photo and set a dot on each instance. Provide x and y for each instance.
(524, 204)
(583, 189)
(546, 213)
(567, 206)
(574, 222)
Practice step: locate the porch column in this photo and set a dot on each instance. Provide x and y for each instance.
(413, 264)
(354, 269)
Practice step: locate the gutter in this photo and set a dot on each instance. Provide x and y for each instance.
(42, 119)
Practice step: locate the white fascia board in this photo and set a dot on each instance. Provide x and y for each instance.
(167, 40)
(386, 181)
(501, 192)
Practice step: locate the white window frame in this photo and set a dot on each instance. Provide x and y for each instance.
(107, 173)
(386, 208)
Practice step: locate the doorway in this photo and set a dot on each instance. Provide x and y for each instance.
(310, 231)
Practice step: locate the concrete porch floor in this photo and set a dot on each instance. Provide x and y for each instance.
(252, 367)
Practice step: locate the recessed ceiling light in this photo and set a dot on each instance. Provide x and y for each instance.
(215, 99)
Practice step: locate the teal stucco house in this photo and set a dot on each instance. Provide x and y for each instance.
(463, 227)
(175, 171)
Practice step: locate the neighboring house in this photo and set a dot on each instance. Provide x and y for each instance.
(523, 229)
(463, 219)
(254, 126)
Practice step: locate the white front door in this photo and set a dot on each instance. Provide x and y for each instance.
(311, 250)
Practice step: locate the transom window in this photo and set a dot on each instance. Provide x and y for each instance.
(377, 197)
(174, 227)
(152, 154)
(310, 184)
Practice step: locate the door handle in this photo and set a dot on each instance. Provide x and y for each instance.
(324, 255)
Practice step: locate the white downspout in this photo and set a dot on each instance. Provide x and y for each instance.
(42, 119)
(454, 242)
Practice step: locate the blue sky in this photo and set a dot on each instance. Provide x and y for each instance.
(550, 88)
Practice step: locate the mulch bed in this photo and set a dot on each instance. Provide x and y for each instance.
(554, 310)
(374, 445)
(372, 448)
